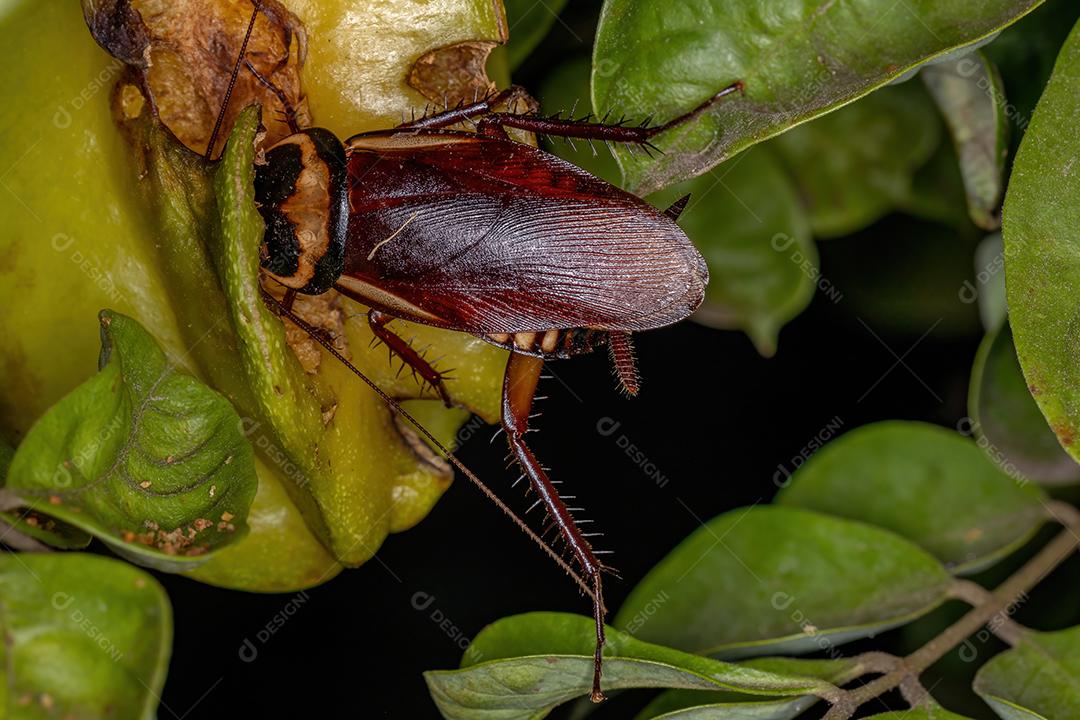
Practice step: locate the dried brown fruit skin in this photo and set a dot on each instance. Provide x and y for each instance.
(454, 74)
(185, 53)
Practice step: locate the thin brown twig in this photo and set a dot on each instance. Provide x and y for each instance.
(1044, 562)
(1002, 625)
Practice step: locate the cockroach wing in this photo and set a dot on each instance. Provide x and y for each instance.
(491, 236)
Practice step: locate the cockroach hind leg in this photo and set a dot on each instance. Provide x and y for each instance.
(519, 388)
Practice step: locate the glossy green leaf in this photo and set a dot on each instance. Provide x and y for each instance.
(726, 705)
(525, 665)
(1007, 422)
(30, 524)
(797, 61)
(763, 267)
(142, 456)
(774, 579)
(926, 483)
(1024, 54)
(1039, 679)
(853, 166)
(529, 21)
(969, 94)
(85, 637)
(27, 522)
(1042, 249)
(278, 554)
(45, 529)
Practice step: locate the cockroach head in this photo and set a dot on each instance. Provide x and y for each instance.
(302, 193)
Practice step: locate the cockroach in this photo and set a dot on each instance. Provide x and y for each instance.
(478, 233)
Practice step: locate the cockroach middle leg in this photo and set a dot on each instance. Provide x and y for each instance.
(378, 322)
(519, 388)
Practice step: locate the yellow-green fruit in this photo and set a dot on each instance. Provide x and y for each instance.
(79, 236)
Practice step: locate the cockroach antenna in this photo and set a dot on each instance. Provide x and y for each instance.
(232, 80)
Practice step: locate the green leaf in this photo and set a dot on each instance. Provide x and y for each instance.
(931, 713)
(1025, 53)
(33, 524)
(853, 166)
(1007, 422)
(779, 579)
(1037, 679)
(1042, 249)
(969, 93)
(142, 456)
(763, 266)
(726, 705)
(525, 665)
(45, 529)
(85, 636)
(928, 484)
(529, 21)
(797, 61)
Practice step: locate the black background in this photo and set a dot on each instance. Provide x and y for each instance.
(714, 418)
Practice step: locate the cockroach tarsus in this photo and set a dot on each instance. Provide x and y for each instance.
(474, 232)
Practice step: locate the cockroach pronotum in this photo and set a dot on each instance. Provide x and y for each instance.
(475, 232)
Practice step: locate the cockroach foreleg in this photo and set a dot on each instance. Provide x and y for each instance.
(519, 388)
(608, 132)
(378, 322)
(463, 113)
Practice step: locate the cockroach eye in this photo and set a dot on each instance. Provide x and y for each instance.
(301, 194)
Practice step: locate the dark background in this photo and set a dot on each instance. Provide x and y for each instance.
(714, 418)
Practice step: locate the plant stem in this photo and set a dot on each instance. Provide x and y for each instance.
(1003, 626)
(1065, 514)
(1044, 562)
